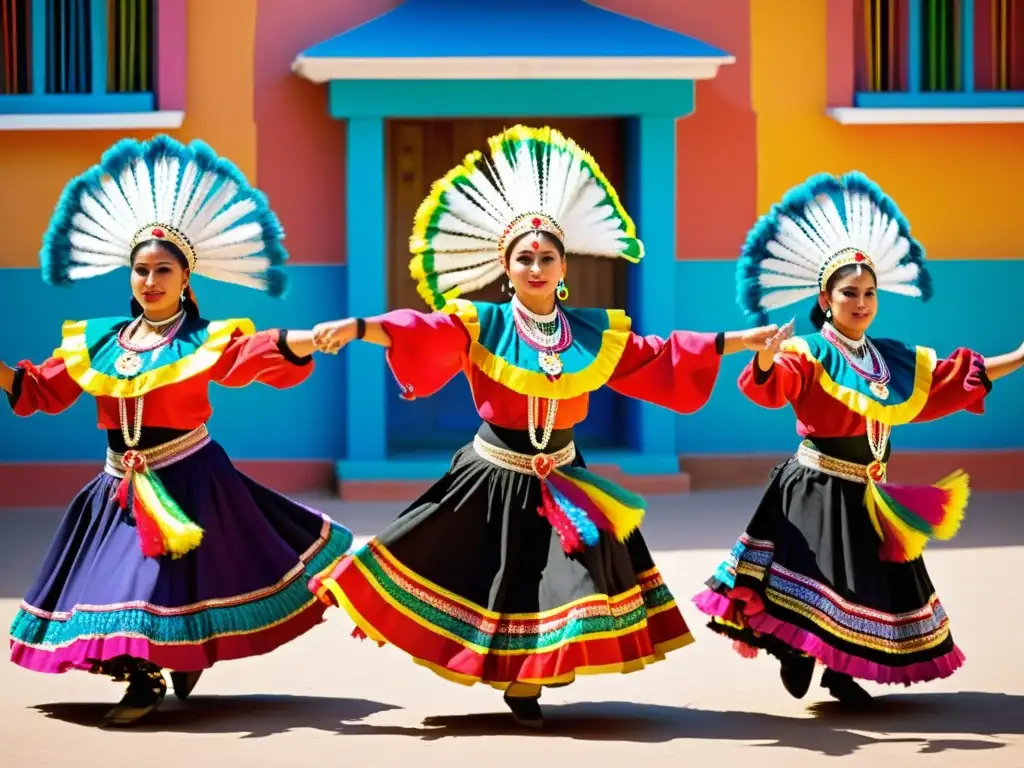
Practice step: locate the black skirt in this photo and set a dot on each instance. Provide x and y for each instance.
(806, 576)
(472, 582)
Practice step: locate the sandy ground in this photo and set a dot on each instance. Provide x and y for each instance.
(328, 699)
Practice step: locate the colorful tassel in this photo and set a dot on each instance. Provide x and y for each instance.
(549, 509)
(623, 510)
(583, 525)
(162, 526)
(579, 505)
(907, 517)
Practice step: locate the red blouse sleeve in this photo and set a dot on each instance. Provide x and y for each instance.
(427, 350)
(46, 388)
(959, 383)
(264, 357)
(780, 385)
(677, 373)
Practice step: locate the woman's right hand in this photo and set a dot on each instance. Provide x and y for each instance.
(331, 337)
(766, 355)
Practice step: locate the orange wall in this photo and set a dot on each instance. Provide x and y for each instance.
(954, 182)
(35, 165)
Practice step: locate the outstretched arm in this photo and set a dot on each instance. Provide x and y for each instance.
(6, 378)
(961, 382)
(45, 388)
(679, 372)
(277, 358)
(424, 351)
(1003, 365)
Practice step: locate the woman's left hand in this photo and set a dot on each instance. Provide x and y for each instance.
(331, 337)
(758, 339)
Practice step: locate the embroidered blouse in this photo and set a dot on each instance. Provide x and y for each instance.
(479, 340)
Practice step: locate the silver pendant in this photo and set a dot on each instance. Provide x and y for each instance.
(128, 364)
(879, 389)
(550, 363)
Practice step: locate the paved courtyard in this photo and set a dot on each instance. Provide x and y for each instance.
(330, 700)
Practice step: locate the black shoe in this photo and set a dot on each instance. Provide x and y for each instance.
(844, 689)
(526, 711)
(146, 691)
(184, 682)
(796, 673)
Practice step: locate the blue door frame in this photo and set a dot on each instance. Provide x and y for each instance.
(651, 108)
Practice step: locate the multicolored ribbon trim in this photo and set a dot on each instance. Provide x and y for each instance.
(162, 526)
(576, 502)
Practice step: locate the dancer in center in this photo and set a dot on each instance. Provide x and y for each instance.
(519, 567)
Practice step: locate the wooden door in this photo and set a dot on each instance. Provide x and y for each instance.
(422, 151)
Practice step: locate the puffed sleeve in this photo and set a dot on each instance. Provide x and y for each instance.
(427, 350)
(45, 388)
(263, 356)
(677, 373)
(780, 385)
(959, 383)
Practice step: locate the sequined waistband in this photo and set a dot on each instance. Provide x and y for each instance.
(830, 465)
(539, 464)
(161, 455)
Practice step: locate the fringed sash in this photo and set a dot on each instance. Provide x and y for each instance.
(576, 502)
(905, 517)
(163, 528)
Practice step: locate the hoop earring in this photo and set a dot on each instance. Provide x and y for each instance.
(561, 291)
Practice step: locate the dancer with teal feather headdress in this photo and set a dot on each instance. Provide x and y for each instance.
(170, 558)
(830, 568)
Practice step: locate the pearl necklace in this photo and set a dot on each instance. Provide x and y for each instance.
(548, 335)
(532, 414)
(129, 363)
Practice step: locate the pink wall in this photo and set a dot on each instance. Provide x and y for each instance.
(300, 149)
(717, 153)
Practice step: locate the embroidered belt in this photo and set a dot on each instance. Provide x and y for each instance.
(160, 456)
(844, 470)
(539, 464)
(164, 528)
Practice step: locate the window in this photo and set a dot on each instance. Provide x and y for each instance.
(89, 58)
(939, 53)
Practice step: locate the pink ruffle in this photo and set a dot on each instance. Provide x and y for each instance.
(713, 604)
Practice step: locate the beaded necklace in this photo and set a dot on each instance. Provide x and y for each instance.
(548, 335)
(863, 357)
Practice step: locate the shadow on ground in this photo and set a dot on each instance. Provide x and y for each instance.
(939, 722)
(248, 716)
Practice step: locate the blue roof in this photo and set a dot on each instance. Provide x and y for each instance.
(513, 28)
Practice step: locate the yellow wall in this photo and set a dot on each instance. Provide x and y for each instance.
(956, 183)
(35, 165)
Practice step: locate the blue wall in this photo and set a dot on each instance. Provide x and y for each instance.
(256, 422)
(307, 422)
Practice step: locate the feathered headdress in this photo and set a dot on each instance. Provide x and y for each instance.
(819, 227)
(163, 190)
(534, 179)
